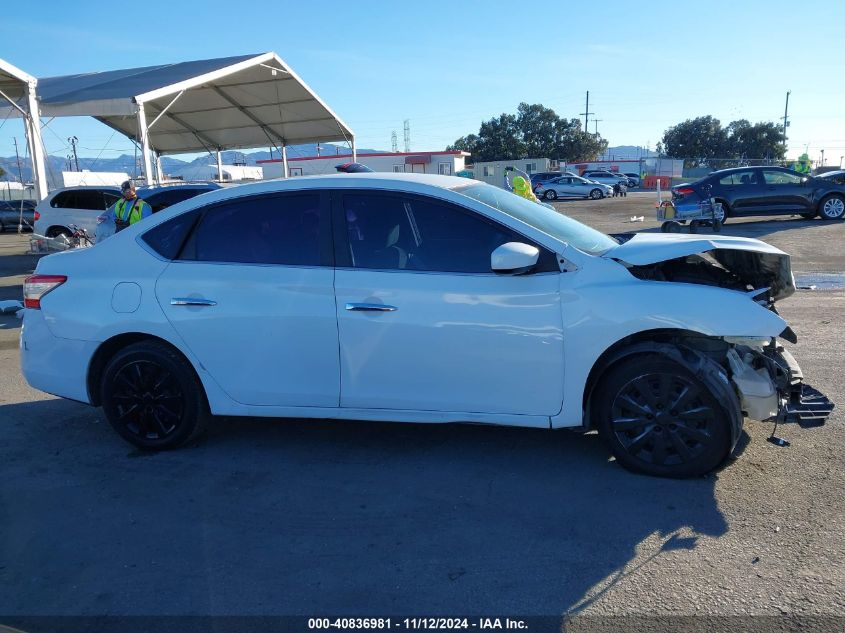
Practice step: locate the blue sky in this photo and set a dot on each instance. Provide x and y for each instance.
(448, 65)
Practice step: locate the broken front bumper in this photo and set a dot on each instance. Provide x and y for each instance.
(800, 402)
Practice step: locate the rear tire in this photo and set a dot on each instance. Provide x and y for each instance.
(670, 227)
(725, 212)
(152, 397)
(659, 419)
(832, 207)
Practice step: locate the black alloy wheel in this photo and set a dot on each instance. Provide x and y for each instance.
(152, 397)
(659, 419)
(550, 194)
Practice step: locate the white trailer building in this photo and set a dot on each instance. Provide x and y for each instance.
(445, 163)
(492, 172)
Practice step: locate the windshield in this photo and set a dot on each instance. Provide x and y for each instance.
(541, 217)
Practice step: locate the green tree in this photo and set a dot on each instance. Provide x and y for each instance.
(534, 131)
(704, 142)
(760, 140)
(698, 141)
(2, 172)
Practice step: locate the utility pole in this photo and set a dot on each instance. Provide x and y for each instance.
(73, 141)
(597, 121)
(586, 114)
(407, 135)
(785, 121)
(822, 163)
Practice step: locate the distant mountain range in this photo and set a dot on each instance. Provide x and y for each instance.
(199, 166)
(172, 166)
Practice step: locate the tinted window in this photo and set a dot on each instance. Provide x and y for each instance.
(747, 177)
(110, 198)
(64, 200)
(775, 177)
(167, 238)
(90, 199)
(260, 230)
(410, 233)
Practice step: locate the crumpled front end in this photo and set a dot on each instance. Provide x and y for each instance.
(771, 386)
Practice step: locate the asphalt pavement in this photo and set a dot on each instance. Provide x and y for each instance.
(291, 517)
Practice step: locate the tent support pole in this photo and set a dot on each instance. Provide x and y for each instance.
(219, 166)
(285, 160)
(37, 154)
(145, 144)
(354, 151)
(159, 171)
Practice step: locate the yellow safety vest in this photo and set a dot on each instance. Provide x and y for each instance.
(134, 211)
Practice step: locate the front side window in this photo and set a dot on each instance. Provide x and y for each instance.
(281, 229)
(776, 177)
(396, 232)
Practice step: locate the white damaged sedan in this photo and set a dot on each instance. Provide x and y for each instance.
(401, 297)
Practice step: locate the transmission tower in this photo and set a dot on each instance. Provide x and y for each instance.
(407, 135)
(394, 141)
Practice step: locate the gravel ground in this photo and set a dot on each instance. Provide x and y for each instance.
(316, 518)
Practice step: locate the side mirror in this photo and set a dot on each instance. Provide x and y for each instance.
(514, 258)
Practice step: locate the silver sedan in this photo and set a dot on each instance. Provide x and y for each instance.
(572, 187)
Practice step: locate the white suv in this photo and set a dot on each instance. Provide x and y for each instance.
(77, 206)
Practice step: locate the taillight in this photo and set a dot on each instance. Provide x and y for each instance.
(684, 191)
(37, 216)
(36, 286)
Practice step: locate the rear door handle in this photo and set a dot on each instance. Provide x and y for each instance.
(191, 301)
(370, 307)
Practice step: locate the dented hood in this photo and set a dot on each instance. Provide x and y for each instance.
(756, 263)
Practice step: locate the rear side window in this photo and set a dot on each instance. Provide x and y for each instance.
(90, 200)
(748, 178)
(281, 229)
(167, 238)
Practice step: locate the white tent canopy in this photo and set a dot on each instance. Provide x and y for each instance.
(17, 98)
(205, 105)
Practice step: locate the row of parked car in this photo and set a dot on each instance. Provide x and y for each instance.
(551, 185)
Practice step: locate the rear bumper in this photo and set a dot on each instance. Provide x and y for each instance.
(55, 365)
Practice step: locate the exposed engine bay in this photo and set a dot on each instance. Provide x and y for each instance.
(734, 270)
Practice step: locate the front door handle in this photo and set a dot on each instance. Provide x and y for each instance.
(191, 301)
(370, 307)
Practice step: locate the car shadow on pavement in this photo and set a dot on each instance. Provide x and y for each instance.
(325, 517)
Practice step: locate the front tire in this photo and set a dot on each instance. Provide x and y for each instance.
(832, 207)
(152, 397)
(551, 194)
(659, 419)
(596, 194)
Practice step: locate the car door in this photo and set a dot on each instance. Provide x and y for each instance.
(251, 295)
(425, 325)
(785, 192)
(742, 190)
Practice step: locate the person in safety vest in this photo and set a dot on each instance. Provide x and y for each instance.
(130, 208)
